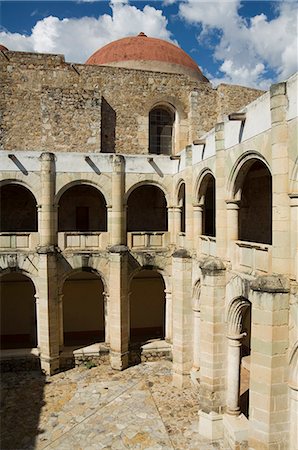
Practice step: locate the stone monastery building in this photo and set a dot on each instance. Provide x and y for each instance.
(145, 214)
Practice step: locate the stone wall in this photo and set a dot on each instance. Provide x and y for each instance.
(50, 105)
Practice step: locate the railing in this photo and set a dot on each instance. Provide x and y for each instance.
(253, 256)
(76, 240)
(147, 239)
(208, 245)
(20, 240)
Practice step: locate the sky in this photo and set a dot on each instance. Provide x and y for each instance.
(251, 43)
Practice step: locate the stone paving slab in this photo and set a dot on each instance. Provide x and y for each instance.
(100, 408)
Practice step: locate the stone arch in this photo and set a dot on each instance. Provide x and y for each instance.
(206, 192)
(173, 102)
(181, 200)
(23, 182)
(147, 300)
(235, 315)
(18, 208)
(196, 294)
(147, 183)
(77, 268)
(84, 322)
(240, 170)
(149, 201)
(83, 208)
(201, 185)
(293, 367)
(79, 182)
(18, 310)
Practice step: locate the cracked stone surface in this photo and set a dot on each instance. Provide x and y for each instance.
(99, 408)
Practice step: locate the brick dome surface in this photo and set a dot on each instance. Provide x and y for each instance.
(3, 48)
(143, 52)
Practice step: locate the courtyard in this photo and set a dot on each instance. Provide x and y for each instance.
(100, 408)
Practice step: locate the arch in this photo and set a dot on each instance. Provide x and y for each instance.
(253, 190)
(170, 101)
(83, 181)
(235, 315)
(18, 310)
(206, 198)
(147, 305)
(201, 185)
(293, 366)
(147, 183)
(82, 208)
(239, 171)
(83, 321)
(147, 209)
(73, 270)
(161, 128)
(181, 205)
(18, 208)
(196, 294)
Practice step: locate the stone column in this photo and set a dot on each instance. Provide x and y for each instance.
(294, 235)
(118, 220)
(119, 308)
(188, 198)
(182, 317)
(47, 222)
(38, 325)
(107, 316)
(169, 317)
(233, 375)
(293, 394)
(60, 313)
(232, 227)
(269, 412)
(48, 312)
(280, 167)
(196, 334)
(220, 186)
(212, 368)
(176, 214)
(197, 226)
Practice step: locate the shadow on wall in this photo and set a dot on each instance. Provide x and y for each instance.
(22, 396)
(108, 127)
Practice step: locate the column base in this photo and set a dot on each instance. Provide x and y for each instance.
(49, 365)
(119, 361)
(235, 430)
(211, 425)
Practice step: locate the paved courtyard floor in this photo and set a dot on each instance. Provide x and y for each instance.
(99, 408)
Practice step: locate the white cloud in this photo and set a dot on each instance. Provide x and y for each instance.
(77, 39)
(247, 49)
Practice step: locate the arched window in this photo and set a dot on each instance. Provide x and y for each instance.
(147, 209)
(181, 204)
(82, 208)
(161, 120)
(18, 209)
(255, 209)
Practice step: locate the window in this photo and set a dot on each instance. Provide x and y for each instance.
(161, 122)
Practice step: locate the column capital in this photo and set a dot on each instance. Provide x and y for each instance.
(271, 283)
(233, 204)
(212, 265)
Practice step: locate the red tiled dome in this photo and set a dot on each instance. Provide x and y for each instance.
(3, 48)
(142, 52)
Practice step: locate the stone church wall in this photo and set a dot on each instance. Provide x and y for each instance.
(48, 104)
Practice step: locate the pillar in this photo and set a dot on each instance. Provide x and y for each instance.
(182, 317)
(233, 375)
(220, 187)
(117, 220)
(60, 313)
(232, 227)
(280, 168)
(48, 309)
(212, 341)
(196, 335)
(197, 226)
(107, 316)
(47, 213)
(119, 308)
(294, 235)
(169, 316)
(269, 412)
(176, 217)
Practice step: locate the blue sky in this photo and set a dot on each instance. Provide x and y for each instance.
(252, 43)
